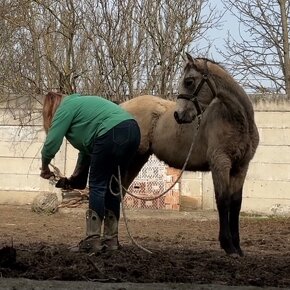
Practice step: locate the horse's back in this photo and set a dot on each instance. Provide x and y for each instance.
(149, 103)
(147, 109)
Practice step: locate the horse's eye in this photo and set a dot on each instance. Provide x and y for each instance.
(188, 82)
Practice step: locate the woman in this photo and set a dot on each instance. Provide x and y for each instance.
(106, 136)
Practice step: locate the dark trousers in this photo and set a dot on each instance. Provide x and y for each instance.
(115, 148)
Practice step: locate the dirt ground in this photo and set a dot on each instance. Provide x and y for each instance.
(184, 249)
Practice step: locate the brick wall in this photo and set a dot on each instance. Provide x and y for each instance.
(153, 180)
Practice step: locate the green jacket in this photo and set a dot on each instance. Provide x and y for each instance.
(80, 119)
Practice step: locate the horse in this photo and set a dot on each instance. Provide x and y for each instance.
(214, 112)
(228, 135)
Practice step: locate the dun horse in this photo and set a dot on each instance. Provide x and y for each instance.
(228, 137)
(214, 113)
(213, 109)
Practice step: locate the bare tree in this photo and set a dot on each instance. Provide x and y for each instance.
(19, 51)
(261, 55)
(62, 43)
(171, 27)
(116, 49)
(115, 44)
(138, 45)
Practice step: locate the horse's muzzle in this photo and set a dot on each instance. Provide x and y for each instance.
(180, 119)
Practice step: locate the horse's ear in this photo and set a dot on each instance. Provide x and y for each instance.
(189, 57)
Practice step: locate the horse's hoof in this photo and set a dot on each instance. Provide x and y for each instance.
(228, 247)
(234, 255)
(240, 252)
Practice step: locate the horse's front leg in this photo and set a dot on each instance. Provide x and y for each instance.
(134, 168)
(225, 236)
(220, 173)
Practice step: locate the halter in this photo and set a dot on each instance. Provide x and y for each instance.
(193, 97)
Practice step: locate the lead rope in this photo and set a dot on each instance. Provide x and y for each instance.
(122, 188)
(124, 212)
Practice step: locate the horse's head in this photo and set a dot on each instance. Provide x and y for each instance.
(50, 104)
(196, 90)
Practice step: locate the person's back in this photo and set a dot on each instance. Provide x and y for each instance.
(80, 119)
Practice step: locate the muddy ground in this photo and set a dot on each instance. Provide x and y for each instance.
(184, 249)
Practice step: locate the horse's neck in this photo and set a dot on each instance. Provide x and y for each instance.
(233, 95)
(171, 141)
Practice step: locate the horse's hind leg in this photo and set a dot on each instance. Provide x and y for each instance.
(235, 207)
(236, 188)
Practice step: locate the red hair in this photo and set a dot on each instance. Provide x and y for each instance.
(51, 103)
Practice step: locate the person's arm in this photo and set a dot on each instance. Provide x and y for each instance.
(60, 125)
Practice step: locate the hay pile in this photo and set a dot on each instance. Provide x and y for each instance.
(45, 203)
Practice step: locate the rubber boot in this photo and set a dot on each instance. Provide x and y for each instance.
(110, 240)
(92, 243)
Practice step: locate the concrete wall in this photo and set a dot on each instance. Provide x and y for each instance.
(267, 187)
(20, 145)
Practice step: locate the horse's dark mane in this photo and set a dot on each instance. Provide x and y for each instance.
(235, 89)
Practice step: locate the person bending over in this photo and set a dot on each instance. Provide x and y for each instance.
(106, 136)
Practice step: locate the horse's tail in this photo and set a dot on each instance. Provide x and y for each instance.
(50, 104)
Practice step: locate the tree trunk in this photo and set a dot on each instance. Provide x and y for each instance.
(286, 68)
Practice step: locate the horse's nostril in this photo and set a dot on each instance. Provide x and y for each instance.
(176, 116)
(177, 119)
(188, 82)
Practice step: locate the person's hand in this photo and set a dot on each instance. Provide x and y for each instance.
(46, 173)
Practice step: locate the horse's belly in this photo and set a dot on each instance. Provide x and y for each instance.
(177, 159)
